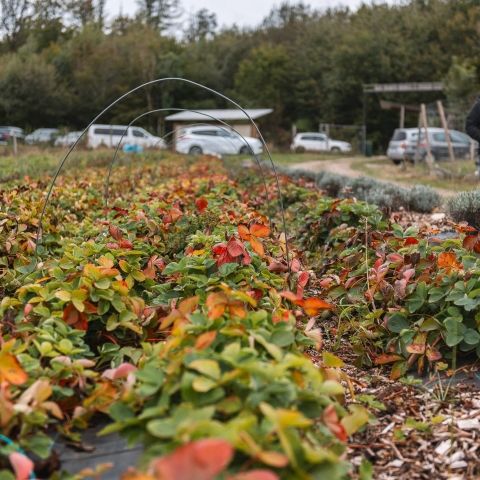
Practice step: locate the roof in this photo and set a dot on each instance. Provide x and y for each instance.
(228, 114)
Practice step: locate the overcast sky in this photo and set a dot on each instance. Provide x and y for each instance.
(241, 12)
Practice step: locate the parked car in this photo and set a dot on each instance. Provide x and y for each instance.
(318, 142)
(461, 144)
(7, 133)
(67, 140)
(402, 143)
(215, 140)
(41, 135)
(109, 136)
(410, 144)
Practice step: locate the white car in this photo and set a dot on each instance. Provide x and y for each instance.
(215, 140)
(318, 142)
(68, 139)
(41, 135)
(110, 135)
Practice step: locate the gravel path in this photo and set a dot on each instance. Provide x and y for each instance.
(343, 166)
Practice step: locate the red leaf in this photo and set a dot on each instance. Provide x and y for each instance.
(410, 241)
(201, 204)
(122, 371)
(115, 232)
(199, 460)
(125, 244)
(235, 248)
(22, 465)
(71, 316)
(331, 420)
(471, 241)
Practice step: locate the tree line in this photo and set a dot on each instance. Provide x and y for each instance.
(61, 61)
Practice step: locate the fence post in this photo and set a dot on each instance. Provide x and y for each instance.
(443, 121)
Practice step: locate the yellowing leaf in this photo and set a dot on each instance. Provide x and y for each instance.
(210, 368)
(203, 384)
(331, 360)
(356, 420)
(63, 295)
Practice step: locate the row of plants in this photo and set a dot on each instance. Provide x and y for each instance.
(403, 297)
(385, 195)
(175, 314)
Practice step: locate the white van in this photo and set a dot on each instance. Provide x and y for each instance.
(109, 136)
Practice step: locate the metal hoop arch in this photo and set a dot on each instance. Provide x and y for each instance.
(154, 82)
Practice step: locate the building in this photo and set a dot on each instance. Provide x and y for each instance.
(234, 117)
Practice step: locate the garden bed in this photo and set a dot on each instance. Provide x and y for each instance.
(177, 317)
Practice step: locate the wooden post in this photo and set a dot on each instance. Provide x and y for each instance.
(423, 118)
(443, 120)
(15, 149)
(402, 116)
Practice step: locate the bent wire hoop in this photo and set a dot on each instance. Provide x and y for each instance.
(159, 110)
(139, 87)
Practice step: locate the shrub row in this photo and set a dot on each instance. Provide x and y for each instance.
(387, 196)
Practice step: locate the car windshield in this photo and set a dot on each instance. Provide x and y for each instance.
(399, 135)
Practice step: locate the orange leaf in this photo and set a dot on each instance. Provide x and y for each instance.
(290, 296)
(259, 230)
(448, 261)
(311, 306)
(255, 475)
(257, 247)
(188, 305)
(10, 370)
(205, 340)
(244, 232)
(385, 358)
(199, 460)
(71, 316)
(216, 304)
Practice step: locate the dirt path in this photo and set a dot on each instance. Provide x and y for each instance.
(344, 166)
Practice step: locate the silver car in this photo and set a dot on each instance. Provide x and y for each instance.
(41, 135)
(401, 144)
(215, 140)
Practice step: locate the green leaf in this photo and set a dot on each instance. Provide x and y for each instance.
(366, 470)
(103, 283)
(455, 331)
(210, 368)
(397, 322)
(471, 336)
(282, 338)
(162, 428)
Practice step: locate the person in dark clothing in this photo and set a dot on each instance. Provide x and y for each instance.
(472, 127)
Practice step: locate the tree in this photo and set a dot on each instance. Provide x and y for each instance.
(160, 14)
(202, 25)
(85, 12)
(14, 16)
(31, 94)
(287, 14)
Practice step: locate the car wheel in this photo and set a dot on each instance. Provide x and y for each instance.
(195, 150)
(396, 161)
(335, 150)
(244, 150)
(300, 149)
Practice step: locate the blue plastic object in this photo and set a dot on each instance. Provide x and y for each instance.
(129, 148)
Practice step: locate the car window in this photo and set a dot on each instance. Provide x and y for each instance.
(115, 132)
(399, 135)
(316, 138)
(459, 137)
(209, 133)
(439, 137)
(224, 133)
(138, 133)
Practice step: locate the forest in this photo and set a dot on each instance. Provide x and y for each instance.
(62, 61)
